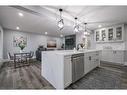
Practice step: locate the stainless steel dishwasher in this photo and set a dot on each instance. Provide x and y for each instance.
(77, 66)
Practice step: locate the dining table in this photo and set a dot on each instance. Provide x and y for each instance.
(21, 59)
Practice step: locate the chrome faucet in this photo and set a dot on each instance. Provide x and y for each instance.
(79, 46)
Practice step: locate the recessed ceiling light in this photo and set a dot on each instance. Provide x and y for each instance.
(99, 26)
(61, 35)
(46, 33)
(21, 14)
(17, 28)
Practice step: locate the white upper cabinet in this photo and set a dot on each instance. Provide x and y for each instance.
(103, 35)
(119, 33)
(110, 34)
(97, 35)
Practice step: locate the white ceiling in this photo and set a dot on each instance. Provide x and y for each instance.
(41, 19)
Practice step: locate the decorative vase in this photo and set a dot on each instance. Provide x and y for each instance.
(21, 51)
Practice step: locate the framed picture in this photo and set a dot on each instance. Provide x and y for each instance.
(19, 39)
(51, 43)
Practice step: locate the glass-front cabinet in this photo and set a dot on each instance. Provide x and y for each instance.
(103, 35)
(110, 34)
(97, 35)
(119, 33)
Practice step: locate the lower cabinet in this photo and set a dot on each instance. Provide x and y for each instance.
(91, 61)
(87, 63)
(114, 56)
(67, 71)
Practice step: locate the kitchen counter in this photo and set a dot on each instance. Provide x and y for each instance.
(57, 66)
(115, 56)
(69, 52)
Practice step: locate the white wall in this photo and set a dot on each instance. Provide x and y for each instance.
(1, 43)
(79, 37)
(116, 46)
(92, 41)
(33, 41)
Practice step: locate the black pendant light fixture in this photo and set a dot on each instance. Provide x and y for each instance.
(76, 26)
(60, 23)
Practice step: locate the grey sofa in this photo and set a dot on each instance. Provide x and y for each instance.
(38, 52)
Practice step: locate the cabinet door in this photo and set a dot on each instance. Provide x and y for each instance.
(110, 34)
(113, 56)
(103, 35)
(97, 35)
(104, 56)
(87, 63)
(96, 59)
(107, 55)
(118, 57)
(67, 71)
(119, 32)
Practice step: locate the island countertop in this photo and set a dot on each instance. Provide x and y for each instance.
(69, 52)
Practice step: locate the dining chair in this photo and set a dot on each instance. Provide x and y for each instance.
(31, 56)
(11, 58)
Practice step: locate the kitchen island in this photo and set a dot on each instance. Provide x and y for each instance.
(61, 68)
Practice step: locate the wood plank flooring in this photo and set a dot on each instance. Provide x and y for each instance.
(27, 77)
(107, 76)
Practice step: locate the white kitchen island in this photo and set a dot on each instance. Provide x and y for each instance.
(57, 65)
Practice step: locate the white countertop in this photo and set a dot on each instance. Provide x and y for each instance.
(69, 52)
(115, 49)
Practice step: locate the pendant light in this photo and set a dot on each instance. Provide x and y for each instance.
(60, 23)
(86, 32)
(76, 26)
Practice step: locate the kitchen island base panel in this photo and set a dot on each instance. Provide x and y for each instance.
(57, 66)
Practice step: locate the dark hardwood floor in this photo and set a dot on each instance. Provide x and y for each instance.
(107, 76)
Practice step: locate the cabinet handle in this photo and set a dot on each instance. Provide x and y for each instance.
(89, 57)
